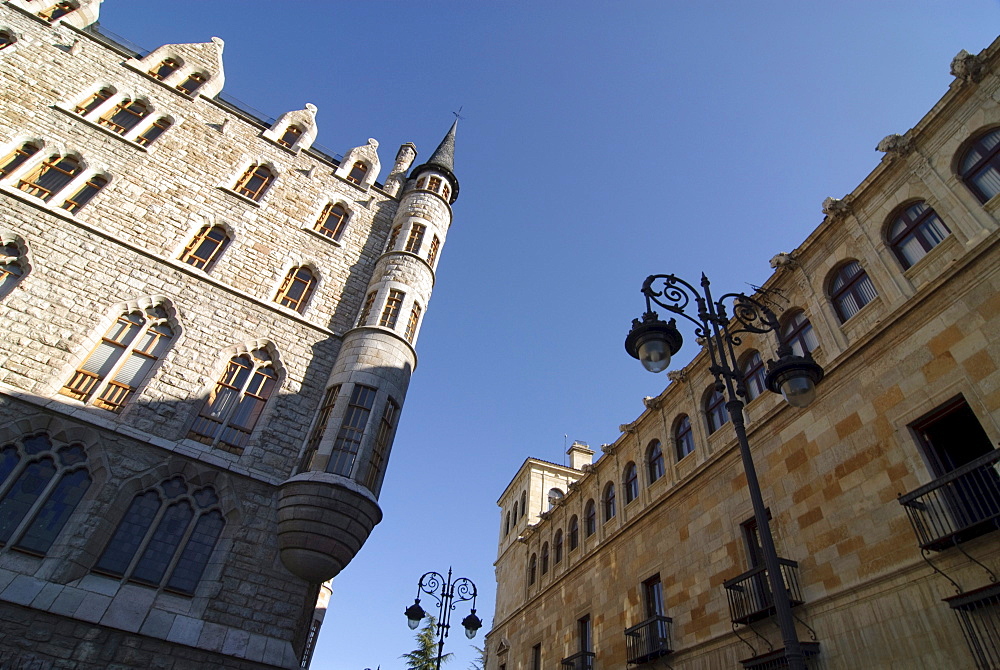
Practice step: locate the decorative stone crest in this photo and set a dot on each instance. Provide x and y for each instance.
(967, 67)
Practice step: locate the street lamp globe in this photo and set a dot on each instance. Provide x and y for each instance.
(472, 624)
(414, 613)
(795, 378)
(653, 341)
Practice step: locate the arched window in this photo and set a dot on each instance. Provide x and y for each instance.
(980, 166)
(255, 182)
(797, 332)
(524, 503)
(380, 450)
(51, 176)
(390, 313)
(590, 518)
(752, 371)
(122, 360)
(609, 502)
(913, 233)
(416, 238)
(206, 247)
(555, 495)
(150, 135)
(194, 81)
(166, 68)
(298, 286)
(411, 325)
(12, 266)
(332, 221)
(850, 290)
(166, 537)
(506, 525)
(235, 404)
(89, 104)
(545, 558)
(515, 512)
(357, 173)
(683, 437)
(40, 486)
(432, 253)
(291, 136)
(532, 568)
(85, 193)
(715, 411)
(557, 547)
(631, 483)
(654, 461)
(574, 532)
(6, 39)
(352, 430)
(16, 158)
(124, 116)
(56, 11)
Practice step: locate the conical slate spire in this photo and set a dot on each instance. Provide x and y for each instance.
(442, 161)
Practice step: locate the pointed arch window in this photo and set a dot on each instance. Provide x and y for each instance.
(654, 461)
(12, 266)
(51, 176)
(545, 558)
(166, 68)
(432, 253)
(797, 332)
(850, 290)
(574, 532)
(357, 173)
(41, 484)
(166, 537)
(206, 247)
(383, 440)
(16, 158)
(608, 499)
(716, 413)
(85, 193)
(150, 135)
(416, 238)
(237, 401)
(411, 325)
(557, 547)
(352, 430)
(590, 518)
(390, 313)
(122, 360)
(913, 233)
(980, 166)
(752, 371)
(194, 81)
(631, 483)
(124, 116)
(95, 100)
(332, 221)
(297, 288)
(683, 436)
(255, 182)
(532, 569)
(291, 135)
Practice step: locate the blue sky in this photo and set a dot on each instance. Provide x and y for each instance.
(602, 142)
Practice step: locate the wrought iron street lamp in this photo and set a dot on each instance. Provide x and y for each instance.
(653, 342)
(447, 593)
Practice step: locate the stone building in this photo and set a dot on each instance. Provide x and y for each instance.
(208, 330)
(883, 493)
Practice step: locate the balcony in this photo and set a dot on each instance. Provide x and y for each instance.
(648, 640)
(583, 660)
(750, 597)
(963, 504)
(776, 660)
(979, 615)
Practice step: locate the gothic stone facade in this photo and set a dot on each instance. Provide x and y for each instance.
(207, 337)
(897, 293)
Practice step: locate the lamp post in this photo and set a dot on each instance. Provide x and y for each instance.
(447, 593)
(653, 342)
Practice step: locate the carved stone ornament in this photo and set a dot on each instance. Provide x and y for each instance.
(587, 467)
(835, 207)
(894, 144)
(503, 647)
(627, 428)
(573, 486)
(609, 449)
(677, 376)
(783, 260)
(650, 402)
(967, 67)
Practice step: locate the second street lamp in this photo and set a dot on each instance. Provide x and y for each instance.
(653, 342)
(446, 592)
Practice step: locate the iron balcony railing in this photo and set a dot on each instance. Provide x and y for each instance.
(979, 615)
(750, 597)
(776, 659)
(583, 660)
(648, 640)
(959, 506)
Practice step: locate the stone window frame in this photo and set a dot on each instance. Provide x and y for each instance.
(716, 414)
(356, 175)
(68, 195)
(8, 38)
(172, 62)
(609, 502)
(434, 182)
(223, 379)
(544, 558)
(683, 434)
(354, 426)
(197, 242)
(415, 237)
(58, 10)
(319, 221)
(283, 289)
(290, 135)
(557, 547)
(590, 518)
(842, 285)
(574, 532)
(392, 308)
(194, 82)
(532, 569)
(19, 259)
(796, 333)
(93, 394)
(656, 466)
(432, 252)
(140, 135)
(413, 323)
(245, 187)
(916, 226)
(630, 482)
(384, 436)
(987, 163)
(752, 373)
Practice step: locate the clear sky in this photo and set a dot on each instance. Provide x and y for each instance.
(602, 142)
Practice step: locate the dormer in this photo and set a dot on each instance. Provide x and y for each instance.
(191, 69)
(294, 130)
(361, 165)
(77, 13)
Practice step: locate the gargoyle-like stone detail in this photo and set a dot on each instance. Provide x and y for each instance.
(609, 449)
(650, 402)
(544, 515)
(783, 260)
(835, 207)
(894, 144)
(573, 486)
(967, 67)
(677, 376)
(626, 428)
(587, 467)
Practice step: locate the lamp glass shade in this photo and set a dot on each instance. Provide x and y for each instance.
(472, 624)
(798, 390)
(654, 354)
(413, 623)
(414, 613)
(470, 633)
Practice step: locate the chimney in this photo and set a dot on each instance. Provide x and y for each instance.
(580, 454)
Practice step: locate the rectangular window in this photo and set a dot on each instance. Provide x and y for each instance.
(393, 236)
(411, 326)
(366, 309)
(416, 238)
(433, 253)
(85, 194)
(329, 400)
(536, 657)
(652, 591)
(391, 312)
(585, 633)
(383, 438)
(348, 441)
